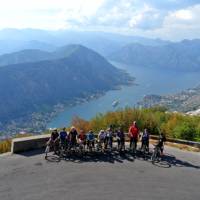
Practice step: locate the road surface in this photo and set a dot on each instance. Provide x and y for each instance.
(30, 177)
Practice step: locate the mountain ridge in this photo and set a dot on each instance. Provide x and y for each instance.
(183, 56)
(39, 86)
(35, 55)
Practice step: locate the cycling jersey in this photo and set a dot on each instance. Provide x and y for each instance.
(63, 135)
(134, 131)
(109, 134)
(145, 136)
(101, 135)
(82, 137)
(161, 140)
(54, 135)
(120, 135)
(90, 136)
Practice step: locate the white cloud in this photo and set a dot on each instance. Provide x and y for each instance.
(49, 14)
(144, 17)
(179, 24)
(183, 14)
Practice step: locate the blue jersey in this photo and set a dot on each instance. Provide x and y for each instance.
(63, 135)
(120, 134)
(90, 136)
(145, 136)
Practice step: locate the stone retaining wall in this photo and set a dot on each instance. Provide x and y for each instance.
(39, 141)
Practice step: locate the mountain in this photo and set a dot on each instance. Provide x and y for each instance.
(10, 45)
(184, 101)
(38, 86)
(33, 55)
(24, 56)
(184, 55)
(101, 42)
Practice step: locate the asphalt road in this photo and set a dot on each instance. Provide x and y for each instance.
(31, 177)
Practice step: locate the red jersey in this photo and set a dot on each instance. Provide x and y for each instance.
(134, 131)
(82, 137)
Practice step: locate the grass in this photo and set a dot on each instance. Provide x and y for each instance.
(5, 146)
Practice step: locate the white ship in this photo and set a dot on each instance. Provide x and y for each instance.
(115, 103)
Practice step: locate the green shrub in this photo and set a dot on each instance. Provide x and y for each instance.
(184, 131)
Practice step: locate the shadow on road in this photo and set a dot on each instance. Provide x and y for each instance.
(171, 161)
(31, 152)
(112, 157)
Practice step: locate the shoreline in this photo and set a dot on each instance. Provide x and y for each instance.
(37, 122)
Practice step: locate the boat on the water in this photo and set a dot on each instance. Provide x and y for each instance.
(115, 103)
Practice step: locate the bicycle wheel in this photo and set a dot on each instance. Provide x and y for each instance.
(146, 152)
(61, 150)
(154, 155)
(47, 149)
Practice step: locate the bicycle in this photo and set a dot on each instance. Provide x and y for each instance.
(133, 144)
(120, 144)
(47, 150)
(63, 147)
(81, 148)
(99, 145)
(90, 145)
(145, 150)
(156, 155)
(51, 145)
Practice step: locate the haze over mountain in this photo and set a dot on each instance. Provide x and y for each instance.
(34, 55)
(104, 43)
(180, 56)
(10, 45)
(71, 72)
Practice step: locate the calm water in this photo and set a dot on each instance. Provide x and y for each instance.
(149, 81)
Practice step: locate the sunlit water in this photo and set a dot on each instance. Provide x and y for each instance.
(148, 81)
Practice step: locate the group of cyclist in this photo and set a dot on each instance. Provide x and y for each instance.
(104, 139)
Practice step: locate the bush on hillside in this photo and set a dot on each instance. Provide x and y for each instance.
(155, 119)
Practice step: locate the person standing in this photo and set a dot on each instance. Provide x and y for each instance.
(145, 139)
(120, 139)
(109, 139)
(133, 134)
(73, 134)
(63, 137)
(82, 138)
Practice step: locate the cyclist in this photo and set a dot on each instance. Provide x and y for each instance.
(145, 139)
(82, 138)
(63, 137)
(101, 138)
(161, 141)
(53, 140)
(109, 138)
(90, 138)
(120, 139)
(73, 137)
(133, 134)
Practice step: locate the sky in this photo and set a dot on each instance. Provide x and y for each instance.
(166, 19)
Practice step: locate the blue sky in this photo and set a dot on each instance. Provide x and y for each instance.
(167, 19)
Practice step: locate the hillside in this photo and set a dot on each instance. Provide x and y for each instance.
(184, 101)
(38, 86)
(180, 56)
(34, 55)
(11, 45)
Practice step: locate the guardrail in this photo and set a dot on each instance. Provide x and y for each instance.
(178, 141)
(39, 141)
